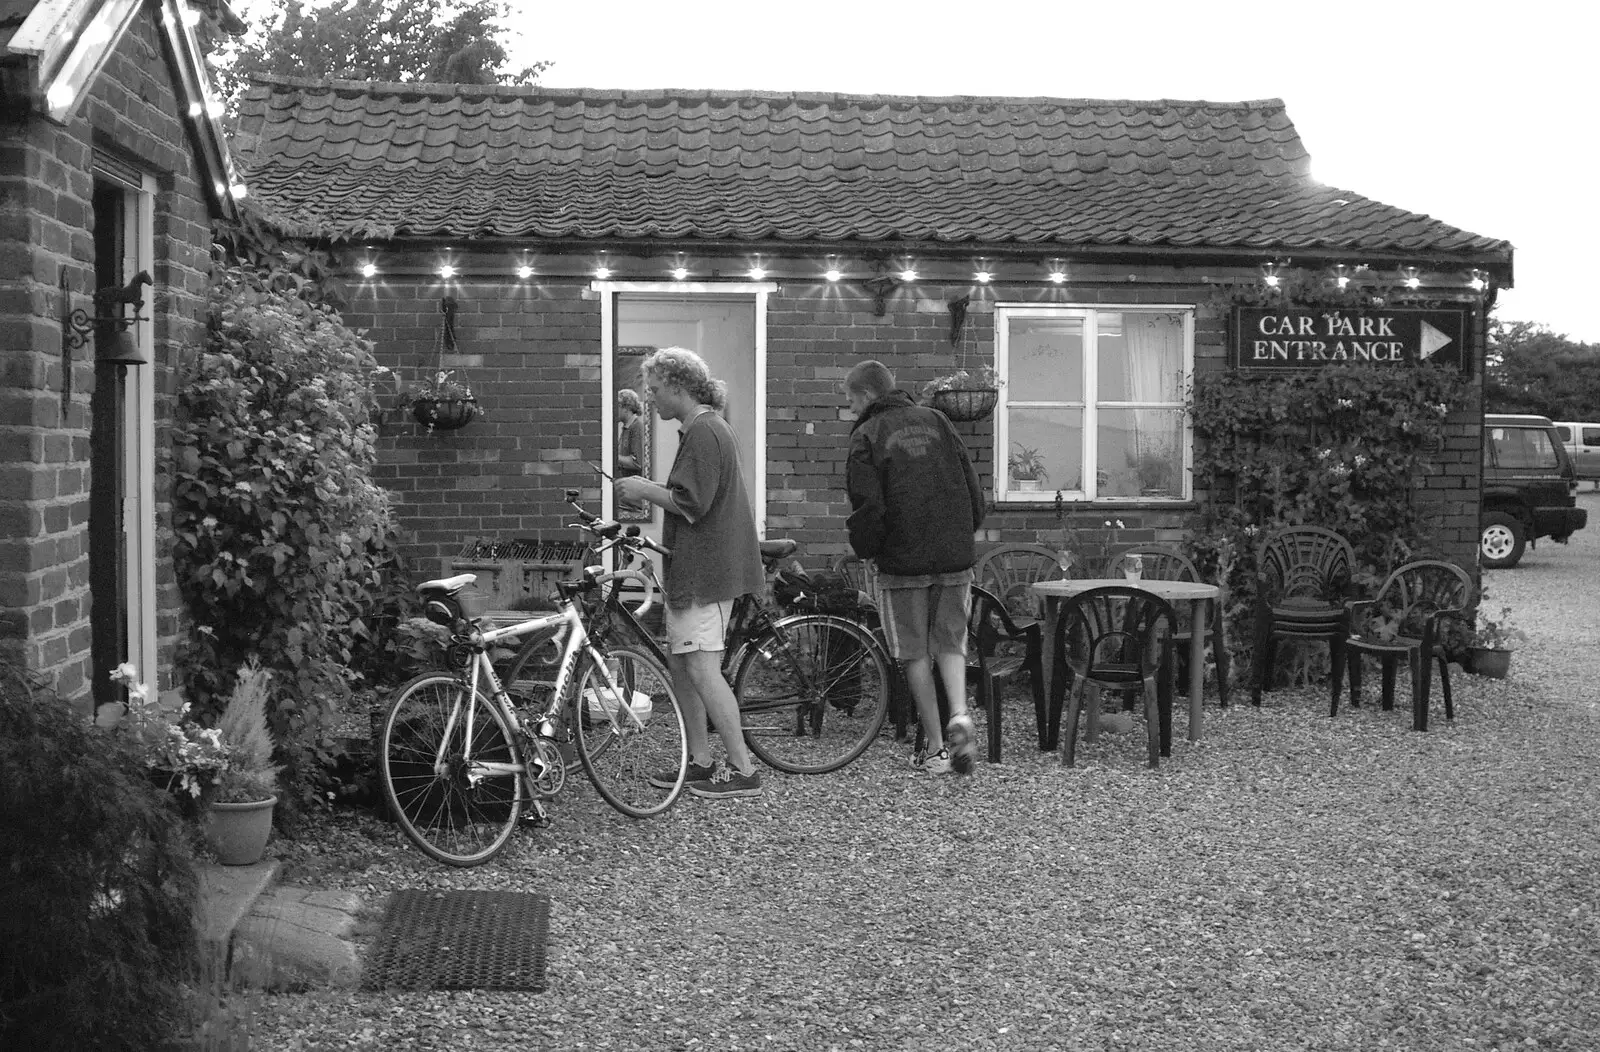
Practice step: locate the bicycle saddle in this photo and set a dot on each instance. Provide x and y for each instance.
(448, 585)
(779, 549)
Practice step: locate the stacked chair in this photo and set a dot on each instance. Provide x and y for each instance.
(1304, 578)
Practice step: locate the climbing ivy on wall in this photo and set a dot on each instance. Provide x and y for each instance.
(1342, 448)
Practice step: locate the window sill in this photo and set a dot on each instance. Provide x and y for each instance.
(1030, 503)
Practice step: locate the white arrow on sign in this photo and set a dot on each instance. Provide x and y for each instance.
(1433, 341)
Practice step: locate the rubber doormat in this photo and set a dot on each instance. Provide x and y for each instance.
(458, 940)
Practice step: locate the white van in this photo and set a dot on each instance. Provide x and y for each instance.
(1582, 440)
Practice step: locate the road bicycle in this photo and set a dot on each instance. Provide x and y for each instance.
(461, 758)
(812, 688)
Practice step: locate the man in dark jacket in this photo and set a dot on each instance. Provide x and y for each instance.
(915, 504)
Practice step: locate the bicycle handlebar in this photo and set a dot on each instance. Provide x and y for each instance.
(640, 540)
(616, 577)
(610, 531)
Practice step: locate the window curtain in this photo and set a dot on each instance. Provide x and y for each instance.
(1153, 343)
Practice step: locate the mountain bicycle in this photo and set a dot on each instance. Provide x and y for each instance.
(460, 758)
(813, 689)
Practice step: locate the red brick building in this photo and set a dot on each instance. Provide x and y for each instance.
(112, 164)
(1075, 245)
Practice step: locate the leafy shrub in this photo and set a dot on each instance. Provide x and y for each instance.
(282, 539)
(97, 934)
(384, 652)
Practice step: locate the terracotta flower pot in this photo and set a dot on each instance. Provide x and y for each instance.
(238, 832)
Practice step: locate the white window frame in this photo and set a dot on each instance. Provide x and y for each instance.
(1004, 314)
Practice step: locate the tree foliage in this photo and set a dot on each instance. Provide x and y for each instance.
(1534, 370)
(430, 41)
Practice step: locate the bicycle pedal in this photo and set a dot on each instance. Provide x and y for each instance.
(536, 816)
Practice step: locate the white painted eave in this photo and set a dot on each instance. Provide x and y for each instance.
(69, 42)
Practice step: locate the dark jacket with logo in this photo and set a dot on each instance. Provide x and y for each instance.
(914, 494)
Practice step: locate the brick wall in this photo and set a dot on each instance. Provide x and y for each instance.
(531, 352)
(46, 183)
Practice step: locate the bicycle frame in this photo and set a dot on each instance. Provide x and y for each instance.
(577, 642)
(752, 622)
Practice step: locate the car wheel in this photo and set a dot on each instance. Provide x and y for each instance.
(1502, 542)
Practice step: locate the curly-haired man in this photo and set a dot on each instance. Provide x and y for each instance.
(710, 529)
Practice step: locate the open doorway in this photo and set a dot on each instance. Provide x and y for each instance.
(725, 325)
(121, 528)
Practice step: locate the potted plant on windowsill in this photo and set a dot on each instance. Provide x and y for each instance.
(1026, 468)
(1492, 642)
(239, 820)
(440, 403)
(964, 396)
(1156, 471)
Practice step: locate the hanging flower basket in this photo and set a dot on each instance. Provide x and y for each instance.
(966, 404)
(444, 414)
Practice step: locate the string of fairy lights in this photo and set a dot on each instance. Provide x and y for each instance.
(1274, 274)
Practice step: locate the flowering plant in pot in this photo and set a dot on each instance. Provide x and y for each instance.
(240, 817)
(181, 756)
(962, 395)
(1493, 640)
(439, 402)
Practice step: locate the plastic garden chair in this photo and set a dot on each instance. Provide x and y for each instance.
(1161, 562)
(998, 648)
(1303, 580)
(1008, 570)
(1405, 620)
(1113, 638)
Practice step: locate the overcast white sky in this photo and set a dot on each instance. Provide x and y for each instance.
(1483, 116)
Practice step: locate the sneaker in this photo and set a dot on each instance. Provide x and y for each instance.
(726, 783)
(962, 737)
(937, 763)
(696, 772)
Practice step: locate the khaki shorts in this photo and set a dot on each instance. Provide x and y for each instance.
(697, 627)
(926, 622)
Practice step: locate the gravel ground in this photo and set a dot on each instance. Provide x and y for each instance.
(1289, 882)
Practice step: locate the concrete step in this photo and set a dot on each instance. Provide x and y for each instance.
(258, 934)
(297, 938)
(227, 895)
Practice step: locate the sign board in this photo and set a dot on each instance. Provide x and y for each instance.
(1317, 337)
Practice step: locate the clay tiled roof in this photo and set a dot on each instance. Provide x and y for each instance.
(434, 161)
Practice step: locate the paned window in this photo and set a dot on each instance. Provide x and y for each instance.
(1093, 403)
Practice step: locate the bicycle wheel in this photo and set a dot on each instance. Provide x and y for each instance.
(814, 704)
(459, 805)
(625, 757)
